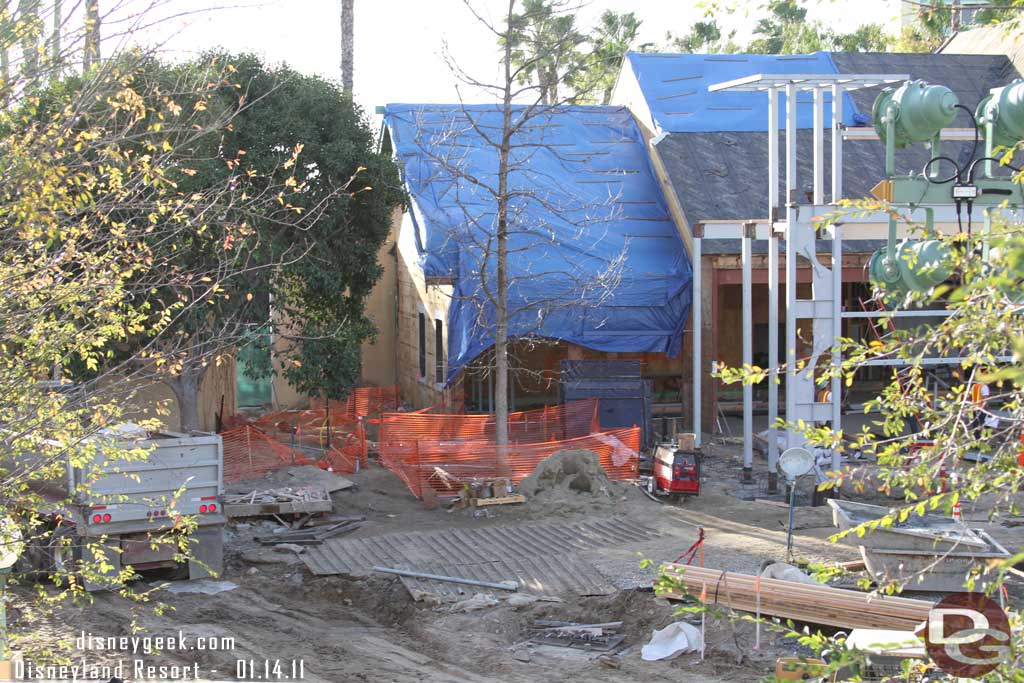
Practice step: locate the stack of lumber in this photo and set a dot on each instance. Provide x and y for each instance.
(797, 601)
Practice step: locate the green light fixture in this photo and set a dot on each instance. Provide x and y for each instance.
(913, 112)
(1002, 114)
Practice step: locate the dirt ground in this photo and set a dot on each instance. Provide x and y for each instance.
(370, 629)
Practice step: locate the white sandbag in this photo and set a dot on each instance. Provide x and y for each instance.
(672, 641)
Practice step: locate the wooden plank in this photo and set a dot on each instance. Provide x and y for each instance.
(283, 508)
(776, 503)
(504, 500)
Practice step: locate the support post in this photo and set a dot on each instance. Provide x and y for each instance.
(695, 317)
(819, 145)
(837, 142)
(773, 289)
(836, 388)
(748, 355)
(791, 256)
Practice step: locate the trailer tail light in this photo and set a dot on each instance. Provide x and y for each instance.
(213, 507)
(202, 508)
(96, 519)
(106, 517)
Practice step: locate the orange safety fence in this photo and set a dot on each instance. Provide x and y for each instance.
(557, 423)
(445, 466)
(251, 451)
(362, 402)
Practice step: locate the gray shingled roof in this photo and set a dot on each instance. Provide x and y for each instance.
(722, 176)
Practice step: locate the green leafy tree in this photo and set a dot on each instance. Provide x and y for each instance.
(704, 37)
(545, 46)
(302, 265)
(609, 41)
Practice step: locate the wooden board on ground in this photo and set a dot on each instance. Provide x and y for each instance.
(294, 507)
(504, 500)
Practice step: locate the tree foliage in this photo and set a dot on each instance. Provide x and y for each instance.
(316, 205)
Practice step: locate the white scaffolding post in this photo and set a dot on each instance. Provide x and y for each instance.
(748, 354)
(773, 289)
(791, 218)
(696, 334)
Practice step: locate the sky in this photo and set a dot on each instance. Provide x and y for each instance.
(399, 44)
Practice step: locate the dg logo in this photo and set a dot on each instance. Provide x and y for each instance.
(967, 635)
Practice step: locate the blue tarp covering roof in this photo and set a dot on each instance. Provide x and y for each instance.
(594, 258)
(675, 88)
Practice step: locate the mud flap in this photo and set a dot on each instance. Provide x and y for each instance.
(207, 550)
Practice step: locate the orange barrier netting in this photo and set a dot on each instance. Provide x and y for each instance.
(557, 423)
(362, 402)
(253, 450)
(445, 466)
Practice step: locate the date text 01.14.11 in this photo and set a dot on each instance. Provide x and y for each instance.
(270, 669)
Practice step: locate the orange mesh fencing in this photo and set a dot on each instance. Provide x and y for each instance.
(362, 402)
(445, 466)
(251, 451)
(557, 423)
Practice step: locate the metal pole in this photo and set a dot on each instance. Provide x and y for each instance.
(504, 585)
(837, 142)
(789, 532)
(3, 613)
(748, 356)
(695, 317)
(819, 145)
(773, 289)
(791, 217)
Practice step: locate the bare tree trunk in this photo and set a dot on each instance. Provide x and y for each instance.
(91, 53)
(501, 293)
(186, 389)
(30, 36)
(55, 39)
(7, 36)
(347, 48)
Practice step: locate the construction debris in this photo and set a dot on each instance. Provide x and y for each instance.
(278, 501)
(503, 500)
(313, 535)
(601, 637)
(815, 604)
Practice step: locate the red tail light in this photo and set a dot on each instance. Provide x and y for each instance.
(213, 507)
(106, 517)
(202, 508)
(96, 519)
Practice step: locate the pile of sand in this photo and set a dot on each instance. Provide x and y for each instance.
(568, 476)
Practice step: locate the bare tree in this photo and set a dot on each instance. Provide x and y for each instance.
(531, 246)
(55, 56)
(91, 52)
(347, 46)
(31, 31)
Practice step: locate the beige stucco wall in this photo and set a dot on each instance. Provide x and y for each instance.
(415, 297)
(379, 359)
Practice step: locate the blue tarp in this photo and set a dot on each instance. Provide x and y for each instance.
(675, 88)
(594, 258)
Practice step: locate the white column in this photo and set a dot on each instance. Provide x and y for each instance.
(837, 142)
(773, 286)
(748, 356)
(819, 145)
(791, 217)
(695, 337)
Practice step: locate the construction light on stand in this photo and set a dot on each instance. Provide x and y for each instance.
(794, 463)
(915, 112)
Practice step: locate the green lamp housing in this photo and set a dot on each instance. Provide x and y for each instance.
(916, 266)
(916, 110)
(1003, 110)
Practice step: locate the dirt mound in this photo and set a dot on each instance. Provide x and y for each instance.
(570, 479)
